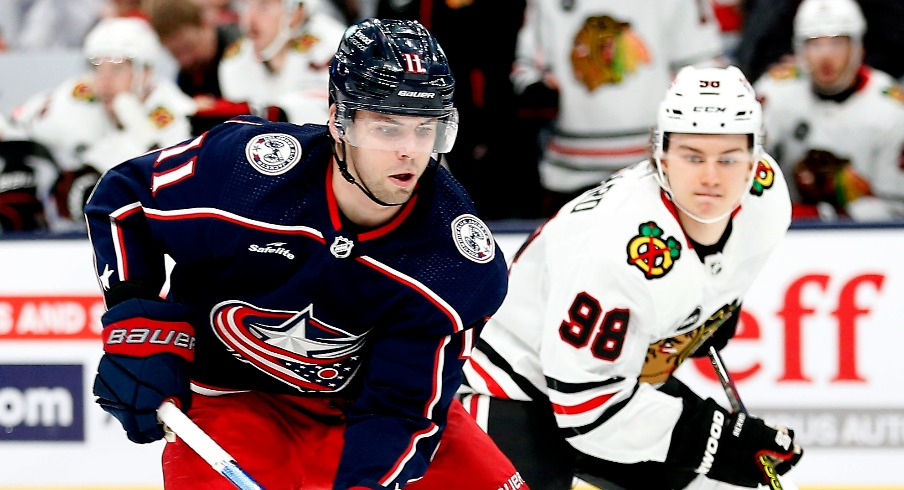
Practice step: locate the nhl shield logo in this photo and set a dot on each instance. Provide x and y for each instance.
(473, 239)
(341, 247)
(273, 153)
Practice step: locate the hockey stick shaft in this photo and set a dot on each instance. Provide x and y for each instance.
(207, 448)
(734, 398)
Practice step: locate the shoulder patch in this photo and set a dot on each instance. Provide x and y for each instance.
(83, 91)
(473, 239)
(273, 153)
(784, 71)
(896, 92)
(763, 178)
(304, 43)
(457, 4)
(651, 253)
(161, 116)
(233, 49)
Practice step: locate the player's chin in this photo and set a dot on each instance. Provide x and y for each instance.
(708, 209)
(396, 195)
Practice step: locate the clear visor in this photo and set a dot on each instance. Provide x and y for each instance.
(729, 158)
(396, 132)
(116, 60)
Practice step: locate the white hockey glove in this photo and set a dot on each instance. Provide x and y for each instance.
(727, 446)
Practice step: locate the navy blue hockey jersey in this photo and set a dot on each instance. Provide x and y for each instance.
(290, 297)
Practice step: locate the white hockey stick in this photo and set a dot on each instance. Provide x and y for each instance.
(734, 398)
(218, 459)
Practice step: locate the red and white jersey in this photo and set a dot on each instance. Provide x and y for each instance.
(610, 60)
(300, 87)
(867, 128)
(78, 130)
(606, 300)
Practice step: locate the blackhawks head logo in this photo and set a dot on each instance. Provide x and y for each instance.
(652, 253)
(763, 179)
(664, 356)
(606, 50)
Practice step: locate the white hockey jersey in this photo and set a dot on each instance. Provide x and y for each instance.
(300, 87)
(609, 297)
(78, 130)
(610, 60)
(867, 127)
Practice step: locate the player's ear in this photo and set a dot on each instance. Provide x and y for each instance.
(334, 132)
(298, 15)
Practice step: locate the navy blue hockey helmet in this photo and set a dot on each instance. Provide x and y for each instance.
(393, 67)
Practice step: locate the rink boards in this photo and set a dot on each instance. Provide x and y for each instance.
(817, 350)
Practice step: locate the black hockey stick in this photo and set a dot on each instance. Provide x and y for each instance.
(731, 391)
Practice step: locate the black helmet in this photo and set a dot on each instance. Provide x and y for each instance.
(395, 67)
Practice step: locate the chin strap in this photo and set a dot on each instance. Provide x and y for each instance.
(283, 35)
(705, 221)
(664, 185)
(343, 169)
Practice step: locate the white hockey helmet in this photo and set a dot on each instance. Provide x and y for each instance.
(828, 18)
(831, 18)
(122, 38)
(286, 30)
(709, 101)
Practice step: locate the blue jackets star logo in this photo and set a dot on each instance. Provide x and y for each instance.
(291, 346)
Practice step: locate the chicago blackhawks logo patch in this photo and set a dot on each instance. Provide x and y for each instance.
(161, 117)
(273, 153)
(784, 71)
(652, 254)
(605, 51)
(664, 356)
(763, 178)
(473, 239)
(304, 43)
(83, 91)
(895, 92)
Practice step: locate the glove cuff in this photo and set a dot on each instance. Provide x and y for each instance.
(142, 328)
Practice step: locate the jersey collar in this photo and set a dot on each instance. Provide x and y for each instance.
(336, 215)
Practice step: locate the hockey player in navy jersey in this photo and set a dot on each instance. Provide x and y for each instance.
(574, 373)
(329, 283)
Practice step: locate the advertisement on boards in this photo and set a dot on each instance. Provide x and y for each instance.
(815, 351)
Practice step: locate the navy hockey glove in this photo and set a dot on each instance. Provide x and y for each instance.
(726, 446)
(147, 347)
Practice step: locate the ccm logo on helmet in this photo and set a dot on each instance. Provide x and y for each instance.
(419, 95)
(709, 109)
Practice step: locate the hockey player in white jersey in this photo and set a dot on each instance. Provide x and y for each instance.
(573, 374)
(117, 110)
(281, 65)
(839, 107)
(605, 58)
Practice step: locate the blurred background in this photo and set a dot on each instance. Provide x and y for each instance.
(819, 333)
